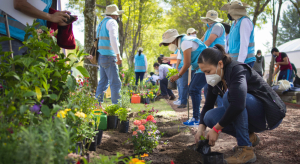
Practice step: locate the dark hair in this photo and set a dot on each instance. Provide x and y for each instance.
(274, 50)
(159, 60)
(151, 73)
(258, 51)
(213, 55)
(140, 52)
(155, 65)
(227, 27)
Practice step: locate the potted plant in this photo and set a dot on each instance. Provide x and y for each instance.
(100, 132)
(124, 123)
(146, 99)
(151, 96)
(172, 72)
(112, 119)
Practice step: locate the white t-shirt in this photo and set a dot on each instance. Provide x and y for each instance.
(186, 45)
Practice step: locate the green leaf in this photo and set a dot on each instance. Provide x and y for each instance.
(57, 74)
(13, 74)
(202, 138)
(27, 61)
(53, 96)
(83, 71)
(46, 111)
(29, 93)
(29, 102)
(5, 38)
(23, 108)
(71, 83)
(38, 93)
(55, 108)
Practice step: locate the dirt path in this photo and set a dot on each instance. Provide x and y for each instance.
(276, 147)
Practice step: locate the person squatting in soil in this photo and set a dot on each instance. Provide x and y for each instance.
(250, 105)
(190, 48)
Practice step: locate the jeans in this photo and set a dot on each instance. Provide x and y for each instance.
(164, 88)
(178, 88)
(251, 64)
(109, 72)
(252, 119)
(139, 76)
(285, 75)
(184, 87)
(219, 99)
(197, 83)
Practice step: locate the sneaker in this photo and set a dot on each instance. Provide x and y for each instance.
(178, 102)
(172, 97)
(254, 139)
(243, 154)
(191, 122)
(161, 97)
(182, 106)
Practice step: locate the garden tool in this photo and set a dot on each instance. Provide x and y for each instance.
(8, 35)
(188, 98)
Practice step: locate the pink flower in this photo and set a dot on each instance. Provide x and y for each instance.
(142, 127)
(51, 32)
(123, 75)
(137, 122)
(134, 133)
(143, 121)
(154, 121)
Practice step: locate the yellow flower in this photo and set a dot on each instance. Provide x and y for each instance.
(61, 114)
(67, 110)
(75, 109)
(80, 114)
(144, 155)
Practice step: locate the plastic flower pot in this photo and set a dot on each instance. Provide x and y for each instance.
(172, 85)
(124, 126)
(203, 147)
(93, 145)
(213, 158)
(146, 100)
(112, 122)
(99, 136)
(78, 148)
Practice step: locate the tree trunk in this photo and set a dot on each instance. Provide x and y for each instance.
(89, 30)
(259, 9)
(275, 30)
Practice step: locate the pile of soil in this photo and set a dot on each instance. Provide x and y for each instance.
(277, 146)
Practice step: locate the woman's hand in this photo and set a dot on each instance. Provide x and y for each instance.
(174, 78)
(212, 136)
(200, 132)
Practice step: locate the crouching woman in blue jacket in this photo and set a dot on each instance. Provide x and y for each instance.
(250, 104)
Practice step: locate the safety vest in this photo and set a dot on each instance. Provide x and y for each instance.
(16, 28)
(139, 65)
(104, 46)
(195, 54)
(220, 40)
(234, 42)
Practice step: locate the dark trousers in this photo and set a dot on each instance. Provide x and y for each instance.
(164, 88)
(139, 76)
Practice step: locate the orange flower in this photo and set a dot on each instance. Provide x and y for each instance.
(142, 127)
(143, 121)
(134, 133)
(150, 118)
(137, 123)
(144, 155)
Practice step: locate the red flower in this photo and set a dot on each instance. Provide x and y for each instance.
(141, 127)
(87, 84)
(150, 118)
(172, 162)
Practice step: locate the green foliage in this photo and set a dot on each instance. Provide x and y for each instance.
(124, 101)
(122, 113)
(112, 109)
(103, 159)
(172, 72)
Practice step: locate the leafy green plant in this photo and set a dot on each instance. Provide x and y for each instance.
(172, 72)
(122, 113)
(124, 101)
(112, 109)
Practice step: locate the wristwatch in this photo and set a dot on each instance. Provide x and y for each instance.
(216, 130)
(179, 75)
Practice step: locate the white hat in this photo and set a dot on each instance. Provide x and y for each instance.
(211, 15)
(169, 36)
(112, 10)
(191, 30)
(140, 49)
(235, 4)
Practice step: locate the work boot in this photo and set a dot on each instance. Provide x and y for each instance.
(243, 154)
(254, 139)
(182, 106)
(172, 97)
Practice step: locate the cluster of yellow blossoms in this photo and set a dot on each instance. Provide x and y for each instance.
(80, 114)
(63, 113)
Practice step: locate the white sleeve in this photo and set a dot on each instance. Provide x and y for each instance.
(186, 45)
(146, 64)
(245, 32)
(113, 27)
(179, 55)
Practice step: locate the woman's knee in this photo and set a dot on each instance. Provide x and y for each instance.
(208, 119)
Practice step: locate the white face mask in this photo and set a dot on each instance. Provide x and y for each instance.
(172, 47)
(193, 35)
(214, 79)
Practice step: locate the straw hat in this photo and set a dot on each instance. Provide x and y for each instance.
(112, 10)
(211, 16)
(169, 36)
(140, 49)
(235, 4)
(191, 30)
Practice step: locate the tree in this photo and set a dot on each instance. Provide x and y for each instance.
(275, 22)
(290, 26)
(296, 4)
(259, 8)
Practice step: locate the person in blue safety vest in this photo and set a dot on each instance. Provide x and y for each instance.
(17, 29)
(215, 34)
(140, 66)
(241, 36)
(190, 48)
(109, 54)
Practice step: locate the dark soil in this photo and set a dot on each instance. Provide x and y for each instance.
(278, 146)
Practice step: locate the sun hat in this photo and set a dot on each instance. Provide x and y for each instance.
(235, 4)
(169, 36)
(112, 10)
(140, 49)
(191, 30)
(211, 16)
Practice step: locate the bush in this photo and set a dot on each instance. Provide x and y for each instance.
(112, 109)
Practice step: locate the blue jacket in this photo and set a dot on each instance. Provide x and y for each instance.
(104, 46)
(140, 64)
(220, 40)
